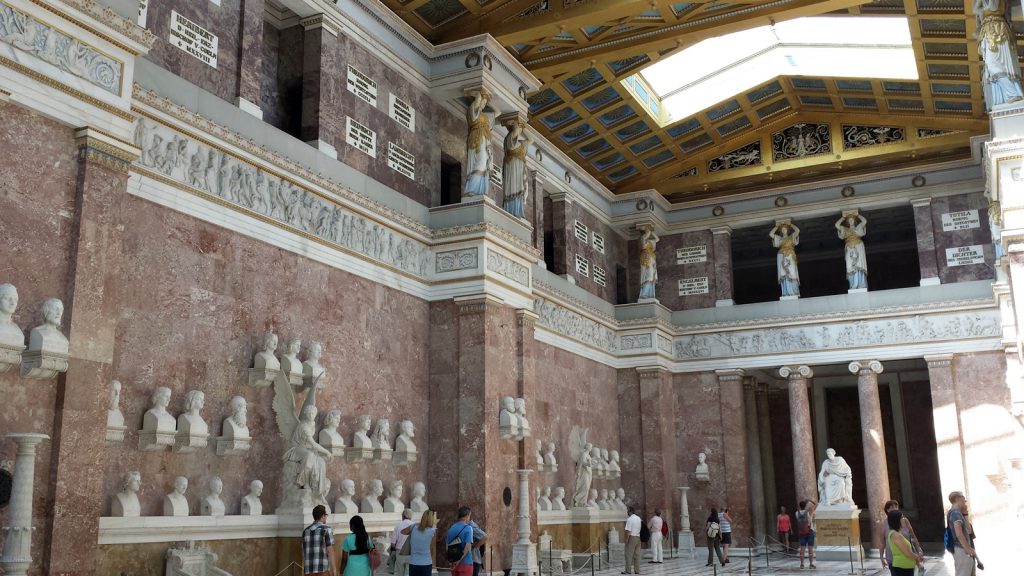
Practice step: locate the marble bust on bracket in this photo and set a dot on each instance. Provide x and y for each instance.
(592, 499)
(235, 437)
(212, 505)
(393, 503)
(175, 503)
(371, 502)
(614, 468)
(329, 436)
(193, 432)
(265, 365)
(312, 370)
(115, 419)
(345, 503)
(12, 339)
(544, 500)
(508, 421)
(382, 440)
(47, 353)
(251, 505)
(702, 473)
(125, 503)
(550, 463)
(602, 502)
(405, 450)
(362, 447)
(558, 499)
(290, 363)
(158, 426)
(418, 502)
(524, 424)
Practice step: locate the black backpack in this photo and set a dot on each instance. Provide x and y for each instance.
(454, 550)
(645, 533)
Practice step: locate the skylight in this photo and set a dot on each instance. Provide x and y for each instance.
(719, 68)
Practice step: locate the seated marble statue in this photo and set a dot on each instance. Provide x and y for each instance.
(702, 473)
(192, 429)
(345, 503)
(126, 502)
(614, 468)
(393, 503)
(544, 500)
(11, 336)
(602, 502)
(418, 502)
(265, 358)
(524, 424)
(508, 421)
(212, 505)
(549, 458)
(382, 440)
(329, 436)
(835, 482)
(115, 419)
(558, 500)
(290, 363)
(592, 499)
(405, 449)
(371, 502)
(158, 426)
(47, 336)
(251, 505)
(311, 368)
(175, 503)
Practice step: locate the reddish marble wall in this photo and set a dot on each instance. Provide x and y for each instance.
(567, 245)
(959, 238)
(924, 464)
(782, 450)
(244, 556)
(669, 273)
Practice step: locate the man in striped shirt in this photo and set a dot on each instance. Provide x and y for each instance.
(317, 546)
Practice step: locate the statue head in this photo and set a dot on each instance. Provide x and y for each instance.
(161, 397)
(308, 414)
(8, 301)
(115, 394)
(194, 401)
(604, 494)
(614, 455)
(53, 312)
(333, 419)
(238, 411)
(376, 487)
(365, 421)
(830, 454)
(294, 346)
(559, 492)
(383, 429)
(604, 454)
(314, 351)
(180, 485)
(255, 488)
(595, 452)
(131, 481)
(546, 491)
(620, 493)
(348, 487)
(407, 428)
(269, 342)
(701, 458)
(396, 489)
(551, 447)
(593, 493)
(508, 404)
(520, 404)
(419, 490)
(216, 486)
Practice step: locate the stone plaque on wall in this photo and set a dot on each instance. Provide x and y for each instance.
(193, 38)
(692, 254)
(402, 112)
(693, 286)
(360, 136)
(362, 86)
(964, 255)
(401, 161)
(963, 220)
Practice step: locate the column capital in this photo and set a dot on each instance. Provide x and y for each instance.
(477, 303)
(796, 372)
(729, 375)
(329, 23)
(926, 201)
(866, 366)
(526, 317)
(106, 150)
(650, 372)
(721, 230)
(939, 360)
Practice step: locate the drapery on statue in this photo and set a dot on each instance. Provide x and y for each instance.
(580, 449)
(835, 481)
(513, 168)
(304, 480)
(997, 46)
(648, 263)
(852, 228)
(786, 237)
(478, 145)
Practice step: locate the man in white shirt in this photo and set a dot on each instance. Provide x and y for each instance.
(655, 525)
(633, 525)
(398, 542)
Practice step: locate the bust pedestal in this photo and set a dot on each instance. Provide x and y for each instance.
(12, 344)
(837, 529)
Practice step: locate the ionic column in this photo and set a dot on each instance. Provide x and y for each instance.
(755, 478)
(722, 248)
(800, 421)
(926, 256)
(876, 471)
(18, 533)
(946, 419)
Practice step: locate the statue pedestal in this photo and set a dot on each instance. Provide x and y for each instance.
(784, 298)
(837, 534)
(686, 545)
(524, 559)
(857, 291)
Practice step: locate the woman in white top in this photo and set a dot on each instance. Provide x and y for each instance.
(726, 523)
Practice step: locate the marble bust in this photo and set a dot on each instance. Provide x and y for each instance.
(620, 498)
(702, 473)
(544, 500)
(540, 454)
(598, 465)
(12, 339)
(175, 503)
(419, 492)
(345, 503)
(193, 432)
(524, 424)
(235, 437)
(362, 446)
(158, 426)
(265, 365)
(835, 482)
(550, 463)
(405, 449)
(592, 499)
(508, 421)
(329, 437)
(558, 500)
(602, 502)
(393, 503)
(371, 502)
(311, 368)
(126, 502)
(115, 419)
(614, 468)
(290, 363)
(382, 440)
(251, 505)
(212, 505)
(47, 352)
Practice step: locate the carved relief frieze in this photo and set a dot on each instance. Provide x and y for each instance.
(509, 268)
(567, 323)
(452, 260)
(635, 342)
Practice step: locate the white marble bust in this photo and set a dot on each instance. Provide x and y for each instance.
(290, 363)
(540, 454)
(345, 503)
(11, 335)
(558, 501)
(602, 502)
(235, 436)
(382, 435)
(405, 449)
(418, 502)
(115, 419)
(361, 438)
(703, 473)
(265, 358)
(508, 422)
(175, 503)
(329, 436)
(311, 368)
(549, 458)
(251, 505)
(393, 503)
(620, 499)
(158, 426)
(592, 499)
(544, 500)
(212, 505)
(613, 464)
(597, 465)
(125, 503)
(371, 502)
(192, 429)
(524, 424)
(47, 336)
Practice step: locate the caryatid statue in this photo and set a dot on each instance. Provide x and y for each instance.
(835, 482)
(478, 145)
(852, 228)
(648, 263)
(997, 46)
(513, 169)
(786, 237)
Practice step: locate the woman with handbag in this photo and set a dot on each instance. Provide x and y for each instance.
(357, 550)
(420, 544)
(714, 533)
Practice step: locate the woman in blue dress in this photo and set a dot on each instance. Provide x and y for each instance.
(355, 549)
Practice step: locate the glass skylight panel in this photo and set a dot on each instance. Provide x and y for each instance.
(716, 69)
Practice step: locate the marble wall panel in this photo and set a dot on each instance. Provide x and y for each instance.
(959, 238)
(255, 557)
(924, 464)
(631, 435)
(700, 429)
(669, 273)
(782, 450)
(281, 88)
(611, 260)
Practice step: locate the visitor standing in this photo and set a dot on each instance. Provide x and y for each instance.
(964, 553)
(805, 530)
(898, 548)
(479, 537)
(905, 529)
(633, 526)
(655, 525)
(318, 546)
(713, 527)
(421, 544)
(783, 527)
(461, 535)
(355, 549)
(398, 540)
(726, 521)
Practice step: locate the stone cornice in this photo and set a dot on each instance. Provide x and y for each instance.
(137, 38)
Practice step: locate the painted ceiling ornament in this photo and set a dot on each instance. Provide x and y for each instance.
(801, 140)
(997, 46)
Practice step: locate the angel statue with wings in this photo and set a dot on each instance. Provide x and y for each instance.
(304, 479)
(580, 450)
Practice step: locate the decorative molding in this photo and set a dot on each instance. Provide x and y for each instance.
(796, 372)
(729, 375)
(866, 367)
(108, 17)
(507, 267)
(452, 260)
(575, 326)
(635, 342)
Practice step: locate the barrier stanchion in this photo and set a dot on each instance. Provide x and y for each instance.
(591, 564)
(849, 546)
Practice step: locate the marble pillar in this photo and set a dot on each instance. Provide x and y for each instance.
(946, 420)
(722, 249)
(319, 123)
(685, 541)
(562, 211)
(250, 60)
(524, 552)
(735, 476)
(926, 257)
(876, 470)
(800, 421)
(17, 554)
(755, 478)
(657, 425)
(764, 437)
(526, 322)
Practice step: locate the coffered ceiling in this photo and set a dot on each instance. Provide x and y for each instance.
(789, 129)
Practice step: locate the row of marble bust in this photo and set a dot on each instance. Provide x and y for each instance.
(552, 499)
(266, 365)
(125, 502)
(546, 461)
(366, 446)
(47, 353)
(604, 464)
(512, 422)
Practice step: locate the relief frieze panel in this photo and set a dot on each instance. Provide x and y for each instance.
(509, 268)
(454, 260)
(568, 323)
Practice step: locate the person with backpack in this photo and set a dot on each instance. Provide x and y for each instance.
(655, 525)
(459, 542)
(903, 557)
(714, 532)
(634, 526)
(356, 549)
(959, 537)
(905, 529)
(726, 524)
(805, 530)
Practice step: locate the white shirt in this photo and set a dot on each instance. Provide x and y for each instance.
(633, 525)
(654, 524)
(397, 538)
